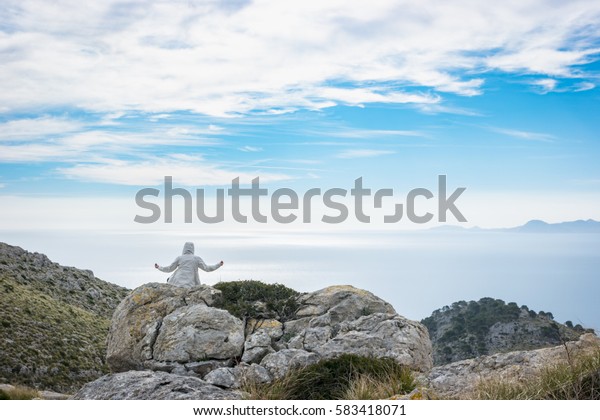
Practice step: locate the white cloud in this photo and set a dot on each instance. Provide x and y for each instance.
(264, 56)
(35, 128)
(250, 149)
(364, 134)
(583, 86)
(525, 135)
(185, 170)
(545, 85)
(362, 153)
(52, 141)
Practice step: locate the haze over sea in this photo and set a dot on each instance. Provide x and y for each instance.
(416, 271)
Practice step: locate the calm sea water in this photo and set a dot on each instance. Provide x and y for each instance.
(417, 272)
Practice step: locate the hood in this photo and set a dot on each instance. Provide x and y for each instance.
(188, 248)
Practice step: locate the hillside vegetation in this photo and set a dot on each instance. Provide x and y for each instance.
(53, 322)
(469, 329)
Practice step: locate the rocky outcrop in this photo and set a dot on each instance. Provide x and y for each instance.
(466, 330)
(149, 328)
(69, 285)
(148, 385)
(344, 320)
(459, 379)
(174, 330)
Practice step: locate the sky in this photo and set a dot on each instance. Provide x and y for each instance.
(101, 99)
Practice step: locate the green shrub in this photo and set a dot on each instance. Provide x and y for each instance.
(255, 299)
(339, 378)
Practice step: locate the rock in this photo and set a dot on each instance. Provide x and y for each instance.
(257, 346)
(272, 327)
(202, 368)
(138, 319)
(199, 332)
(378, 335)
(225, 377)
(342, 303)
(345, 320)
(236, 376)
(51, 395)
(278, 364)
(256, 374)
(176, 330)
(147, 385)
(459, 379)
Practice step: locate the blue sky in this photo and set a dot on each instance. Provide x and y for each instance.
(100, 99)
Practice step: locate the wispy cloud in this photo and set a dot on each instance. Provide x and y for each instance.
(356, 133)
(55, 139)
(545, 85)
(264, 57)
(250, 149)
(34, 128)
(362, 153)
(583, 86)
(185, 170)
(524, 135)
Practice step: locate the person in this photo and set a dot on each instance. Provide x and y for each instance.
(186, 266)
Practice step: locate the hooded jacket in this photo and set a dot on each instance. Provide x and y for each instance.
(187, 265)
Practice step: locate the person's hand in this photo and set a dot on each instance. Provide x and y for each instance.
(221, 263)
(155, 265)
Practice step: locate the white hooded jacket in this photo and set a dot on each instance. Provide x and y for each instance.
(187, 265)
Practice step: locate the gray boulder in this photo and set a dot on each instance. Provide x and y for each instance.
(378, 335)
(148, 385)
(199, 332)
(257, 346)
(225, 377)
(279, 364)
(345, 320)
(341, 303)
(137, 322)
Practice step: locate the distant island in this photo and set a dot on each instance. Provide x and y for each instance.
(534, 226)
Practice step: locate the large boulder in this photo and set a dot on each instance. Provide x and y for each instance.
(199, 332)
(148, 385)
(345, 320)
(460, 379)
(137, 326)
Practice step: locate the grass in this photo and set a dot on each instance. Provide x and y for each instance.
(19, 393)
(579, 379)
(46, 343)
(345, 377)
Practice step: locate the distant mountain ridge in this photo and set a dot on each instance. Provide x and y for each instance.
(534, 226)
(576, 226)
(53, 321)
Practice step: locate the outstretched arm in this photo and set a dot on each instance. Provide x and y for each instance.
(208, 268)
(169, 268)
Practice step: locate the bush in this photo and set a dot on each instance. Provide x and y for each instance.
(344, 377)
(255, 299)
